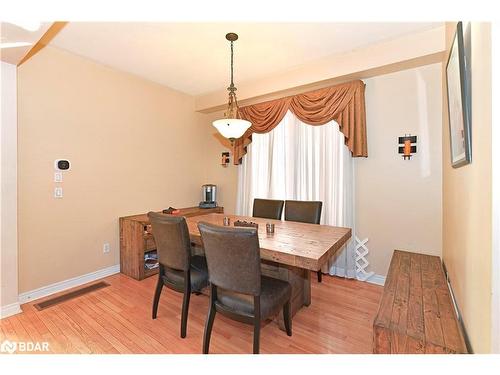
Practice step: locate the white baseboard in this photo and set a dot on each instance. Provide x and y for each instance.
(67, 284)
(9, 310)
(376, 279)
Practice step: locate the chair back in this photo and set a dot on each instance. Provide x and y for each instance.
(303, 211)
(171, 235)
(233, 257)
(267, 208)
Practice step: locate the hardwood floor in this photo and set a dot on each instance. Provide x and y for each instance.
(117, 319)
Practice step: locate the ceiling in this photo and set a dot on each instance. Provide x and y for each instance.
(10, 33)
(194, 57)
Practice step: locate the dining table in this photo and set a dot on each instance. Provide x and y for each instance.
(290, 253)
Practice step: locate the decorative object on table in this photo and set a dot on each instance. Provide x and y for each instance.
(225, 159)
(408, 146)
(171, 211)
(242, 223)
(226, 221)
(232, 126)
(269, 228)
(458, 82)
(209, 196)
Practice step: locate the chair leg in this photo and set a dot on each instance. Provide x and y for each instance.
(256, 324)
(185, 309)
(210, 322)
(320, 276)
(287, 317)
(156, 299)
(256, 335)
(185, 303)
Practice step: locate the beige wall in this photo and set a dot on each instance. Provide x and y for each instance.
(467, 200)
(8, 199)
(398, 202)
(134, 146)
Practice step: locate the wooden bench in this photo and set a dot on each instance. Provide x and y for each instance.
(416, 312)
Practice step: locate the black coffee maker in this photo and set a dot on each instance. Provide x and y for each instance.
(209, 196)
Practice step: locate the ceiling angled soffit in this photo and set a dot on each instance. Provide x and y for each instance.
(13, 33)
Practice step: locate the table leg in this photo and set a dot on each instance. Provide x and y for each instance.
(307, 289)
(300, 281)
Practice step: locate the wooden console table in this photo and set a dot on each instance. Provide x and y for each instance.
(136, 239)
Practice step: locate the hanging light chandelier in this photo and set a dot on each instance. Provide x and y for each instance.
(232, 126)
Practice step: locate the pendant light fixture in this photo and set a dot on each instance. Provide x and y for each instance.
(232, 126)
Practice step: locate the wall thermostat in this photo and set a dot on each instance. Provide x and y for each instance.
(61, 165)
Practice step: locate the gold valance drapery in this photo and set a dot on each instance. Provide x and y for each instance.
(344, 103)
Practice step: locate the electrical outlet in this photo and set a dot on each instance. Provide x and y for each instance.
(106, 248)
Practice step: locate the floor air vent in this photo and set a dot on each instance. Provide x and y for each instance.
(70, 295)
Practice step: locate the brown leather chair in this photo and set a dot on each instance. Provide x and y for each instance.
(267, 208)
(178, 270)
(237, 288)
(304, 212)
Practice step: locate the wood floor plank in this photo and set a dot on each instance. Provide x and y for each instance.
(87, 331)
(8, 329)
(117, 319)
(116, 345)
(33, 332)
(21, 333)
(144, 342)
(57, 336)
(41, 327)
(79, 339)
(125, 344)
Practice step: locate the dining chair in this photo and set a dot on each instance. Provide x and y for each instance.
(237, 288)
(304, 212)
(267, 208)
(178, 270)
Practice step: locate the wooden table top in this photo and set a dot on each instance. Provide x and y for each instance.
(296, 244)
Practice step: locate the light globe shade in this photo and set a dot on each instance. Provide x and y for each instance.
(232, 128)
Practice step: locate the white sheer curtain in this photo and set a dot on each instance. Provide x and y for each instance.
(303, 162)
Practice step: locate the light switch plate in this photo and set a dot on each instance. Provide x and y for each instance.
(106, 248)
(58, 192)
(58, 177)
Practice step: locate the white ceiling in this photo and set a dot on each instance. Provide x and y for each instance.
(194, 57)
(10, 33)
